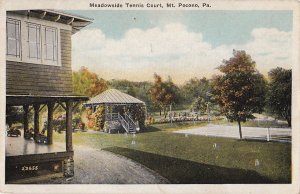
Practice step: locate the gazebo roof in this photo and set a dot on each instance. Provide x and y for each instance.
(113, 96)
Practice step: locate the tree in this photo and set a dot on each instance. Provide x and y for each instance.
(195, 88)
(199, 104)
(88, 83)
(132, 91)
(197, 92)
(138, 90)
(240, 90)
(164, 93)
(280, 93)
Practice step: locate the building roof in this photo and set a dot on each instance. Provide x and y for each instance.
(77, 22)
(113, 96)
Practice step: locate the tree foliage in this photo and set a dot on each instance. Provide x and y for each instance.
(279, 93)
(195, 88)
(138, 113)
(240, 90)
(88, 83)
(197, 92)
(199, 104)
(164, 93)
(138, 90)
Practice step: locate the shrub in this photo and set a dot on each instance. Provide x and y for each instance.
(138, 113)
(100, 117)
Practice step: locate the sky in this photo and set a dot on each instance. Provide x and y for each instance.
(134, 45)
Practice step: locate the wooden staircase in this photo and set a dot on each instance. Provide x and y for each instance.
(126, 121)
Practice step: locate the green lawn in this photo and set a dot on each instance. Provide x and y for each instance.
(195, 159)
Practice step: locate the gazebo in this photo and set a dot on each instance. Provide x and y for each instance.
(112, 99)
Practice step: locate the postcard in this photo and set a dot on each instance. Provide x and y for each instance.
(150, 96)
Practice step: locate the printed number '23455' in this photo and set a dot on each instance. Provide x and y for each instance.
(27, 168)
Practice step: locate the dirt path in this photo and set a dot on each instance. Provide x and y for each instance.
(101, 167)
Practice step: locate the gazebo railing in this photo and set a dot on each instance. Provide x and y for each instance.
(112, 117)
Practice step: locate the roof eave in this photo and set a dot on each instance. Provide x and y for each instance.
(111, 103)
(77, 22)
(70, 15)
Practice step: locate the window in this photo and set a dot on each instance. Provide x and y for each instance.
(34, 43)
(50, 44)
(13, 38)
(32, 40)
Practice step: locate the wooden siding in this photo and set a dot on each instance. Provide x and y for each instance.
(38, 79)
(66, 47)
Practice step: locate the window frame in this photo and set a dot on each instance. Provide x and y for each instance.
(18, 56)
(38, 58)
(24, 46)
(55, 46)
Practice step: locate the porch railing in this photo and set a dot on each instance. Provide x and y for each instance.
(111, 116)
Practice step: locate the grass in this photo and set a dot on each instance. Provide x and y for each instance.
(195, 159)
(180, 171)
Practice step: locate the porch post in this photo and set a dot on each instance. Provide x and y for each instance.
(50, 106)
(69, 107)
(69, 162)
(36, 108)
(25, 117)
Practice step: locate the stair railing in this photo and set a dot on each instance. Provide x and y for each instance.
(130, 121)
(123, 122)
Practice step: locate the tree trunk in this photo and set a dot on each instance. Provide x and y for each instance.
(240, 130)
(160, 112)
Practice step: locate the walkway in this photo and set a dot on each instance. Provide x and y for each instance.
(101, 167)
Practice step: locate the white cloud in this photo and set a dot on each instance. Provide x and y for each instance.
(270, 48)
(172, 50)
